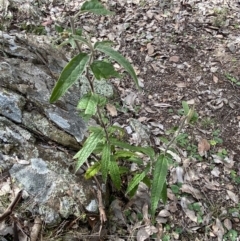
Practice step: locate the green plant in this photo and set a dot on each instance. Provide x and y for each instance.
(216, 138)
(186, 110)
(198, 209)
(207, 122)
(235, 177)
(176, 188)
(106, 143)
(220, 19)
(232, 79)
(185, 143)
(222, 153)
(231, 235)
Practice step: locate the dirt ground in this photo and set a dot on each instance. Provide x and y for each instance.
(181, 51)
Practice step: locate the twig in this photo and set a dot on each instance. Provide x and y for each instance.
(11, 207)
(102, 214)
(36, 229)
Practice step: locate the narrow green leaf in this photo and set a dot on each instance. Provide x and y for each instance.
(118, 58)
(159, 179)
(91, 107)
(88, 147)
(164, 193)
(133, 191)
(65, 42)
(79, 32)
(89, 103)
(146, 150)
(95, 7)
(147, 181)
(185, 107)
(105, 42)
(137, 179)
(69, 75)
(123, 154)
(115, 173)
(58, 28)
(82, 40)
(103, 70)
(106, 153)
(92, 170)
(102, 100)
(83, 102)
(136, 160)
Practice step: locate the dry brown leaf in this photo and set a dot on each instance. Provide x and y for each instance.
(145, 232)
(111, 109)
(203, 147)
(161, 105)
(191, 190)
(233, 196)
(215, 79)
(143, 118)
(227, 223)
(150, 49)
(164, 213)
(189, 213)
(215, 172)
(218, 229)
(181, 85)
(149, 110)
(174, 59)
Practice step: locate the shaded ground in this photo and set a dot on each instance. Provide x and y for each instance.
(182, 51)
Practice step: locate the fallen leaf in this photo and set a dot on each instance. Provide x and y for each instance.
(145, 232)
(181, 84)
(150, 49)
(215, 79)
(145, 214)
(215, 172)
(218, 229)
(149, 110)
(179, 173)
(161, 105)
(203, 147)
(191, 190)
(116, 207)
(142, 235)
(111, 109)
(174, 59)
(227, 223)
(189, 213)
(130, 98)
(142, 118)
(5, 188)
(233, 196)
(164, 213)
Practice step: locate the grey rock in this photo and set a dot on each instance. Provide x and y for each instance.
(11, 105)
(39, 124)
(30, 85)
(232, 47)
(56, 192)
(16, 140)
(39, 139)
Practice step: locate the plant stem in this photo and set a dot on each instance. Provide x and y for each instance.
(176, 134)
(74, 32)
